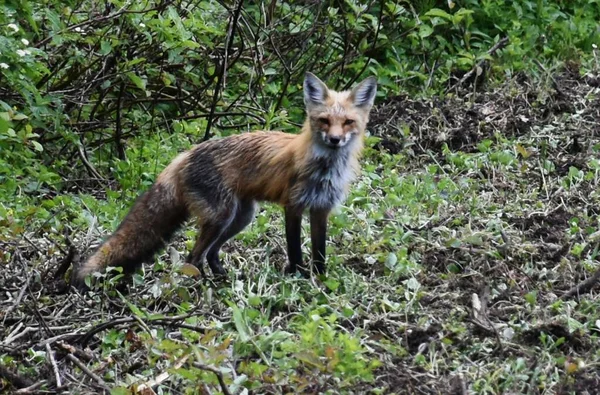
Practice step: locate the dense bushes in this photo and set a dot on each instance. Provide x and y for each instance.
(93, 92)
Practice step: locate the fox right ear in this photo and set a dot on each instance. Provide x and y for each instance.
(315, 91)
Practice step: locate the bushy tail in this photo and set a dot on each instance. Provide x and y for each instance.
(151, 222)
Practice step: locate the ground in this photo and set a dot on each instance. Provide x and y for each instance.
(458, 265)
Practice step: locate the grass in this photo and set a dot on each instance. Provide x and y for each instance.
(448, 272)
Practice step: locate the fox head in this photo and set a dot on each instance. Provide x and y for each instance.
(338, 118)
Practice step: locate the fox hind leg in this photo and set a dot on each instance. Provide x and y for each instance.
(243, 216)
(209, 232)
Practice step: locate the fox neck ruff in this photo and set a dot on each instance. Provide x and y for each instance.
(327, 174)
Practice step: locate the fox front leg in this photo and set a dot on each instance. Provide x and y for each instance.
(318, 236)
(293, 233)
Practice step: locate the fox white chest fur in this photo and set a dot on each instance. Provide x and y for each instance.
(329, 173)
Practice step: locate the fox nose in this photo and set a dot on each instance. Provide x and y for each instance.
(334, 140)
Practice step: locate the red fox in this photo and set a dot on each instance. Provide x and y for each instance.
(220, 182)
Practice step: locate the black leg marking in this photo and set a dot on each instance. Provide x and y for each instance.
(293, 232)
(318, 236)
(243, 217)
(208, 235)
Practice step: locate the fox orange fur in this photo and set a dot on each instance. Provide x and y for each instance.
(220, 181)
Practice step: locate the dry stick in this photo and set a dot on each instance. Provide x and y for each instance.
(167, 321)
(18, 299)
(81, 354)
(583, 287)
(31, 389)
(50, 355)
(85, 370)
(217, 373)
(499, 45)
(91, 169)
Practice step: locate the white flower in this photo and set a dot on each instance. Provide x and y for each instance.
(594, 46)
(3, 66)
(20, 52)
(24, 41)
(142, 25)
(13, 26)
(78, 29)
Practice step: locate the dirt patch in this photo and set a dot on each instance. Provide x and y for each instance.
(463, 120)
(549, 228)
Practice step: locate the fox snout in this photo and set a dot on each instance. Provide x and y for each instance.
(336, 140)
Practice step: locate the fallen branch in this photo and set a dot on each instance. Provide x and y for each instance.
(85, 370)
(32, 389)
(499, 45)
(583, 287)
(81, 354)
(167, 321)
(50, 355)
(217, 373)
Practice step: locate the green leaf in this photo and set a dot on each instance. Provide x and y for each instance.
(105, 48)
(19, 117)
(425, 30)
(4, 125)
(332, 284)
(120, 391)
(440, 13)
(240, 324)
(531, 298)
(140, 83)
(37, 146)
(135, 310)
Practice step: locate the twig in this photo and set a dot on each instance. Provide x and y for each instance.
(583, 287)
(217, 373)
(85, 370)
(81, 354)
(499, 45)
(18, 299)
(31, 389)
(168, 321)
(91, 169)
(50, 355)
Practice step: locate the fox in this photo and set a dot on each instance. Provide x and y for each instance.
(220, 182)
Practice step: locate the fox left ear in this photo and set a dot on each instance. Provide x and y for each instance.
(315, 91)
(363, 94)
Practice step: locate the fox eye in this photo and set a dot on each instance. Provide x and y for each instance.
(324, 120)
(348, 122)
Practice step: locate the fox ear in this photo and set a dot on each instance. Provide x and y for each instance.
(315, 91)
(363, 94)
